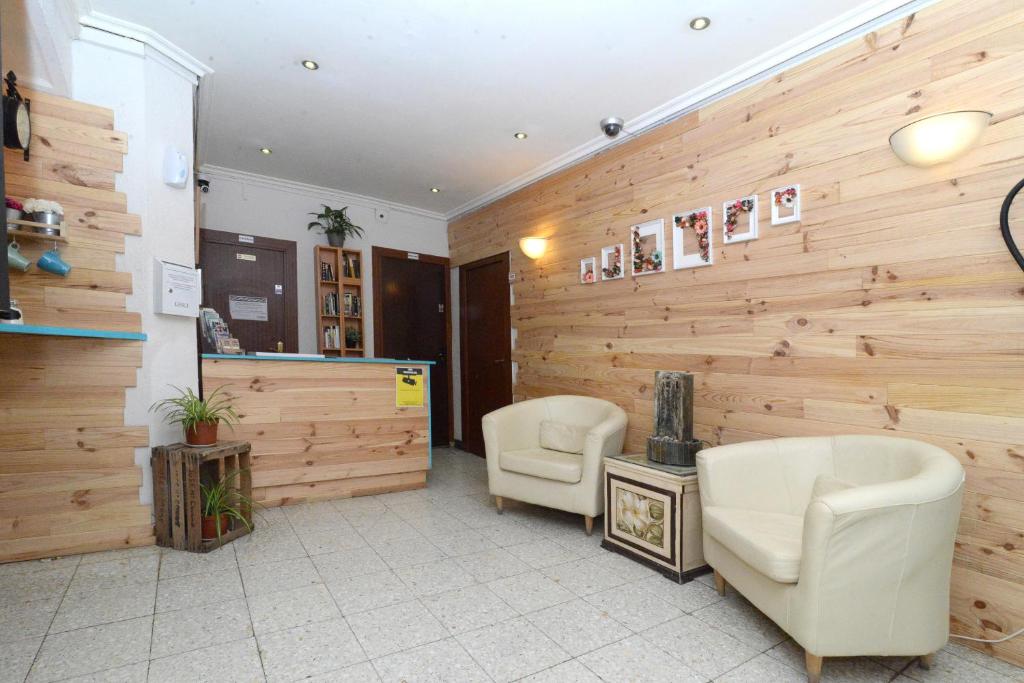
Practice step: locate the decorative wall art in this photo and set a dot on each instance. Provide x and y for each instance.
(739, 219)
(691, 238)
(785, 205)
(611, 263)
(648, 247)
(588, 271)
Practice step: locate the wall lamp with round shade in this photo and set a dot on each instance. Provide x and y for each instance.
(940, 138)
(533, 247)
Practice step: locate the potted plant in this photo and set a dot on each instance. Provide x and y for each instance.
(199, 417)
(352, 338)
(221, 504)
(45, 211)
(335, 224)
(15, 209)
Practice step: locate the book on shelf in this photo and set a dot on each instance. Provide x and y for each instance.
(350, 266)
(327, 272)
(348, 303)
(332, 337)
(357, 306)
(330, 303)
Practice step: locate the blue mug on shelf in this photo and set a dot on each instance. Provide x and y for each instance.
(51, 262)
(15, 260)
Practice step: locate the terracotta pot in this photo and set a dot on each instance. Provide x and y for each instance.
(202, 434)
(210, 527)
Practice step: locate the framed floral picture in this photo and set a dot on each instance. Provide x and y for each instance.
(785, 205)
(739, 219)
(588, 271)
(648, 247)
(692, 239)
(611, 263)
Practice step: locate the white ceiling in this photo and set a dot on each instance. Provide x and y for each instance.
(418, 93)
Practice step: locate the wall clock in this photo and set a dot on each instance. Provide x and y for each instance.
(17, 124)
(1011, 219)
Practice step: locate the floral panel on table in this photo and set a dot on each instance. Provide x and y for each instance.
(640, 517)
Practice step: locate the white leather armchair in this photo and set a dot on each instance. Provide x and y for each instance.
(845, 542)
(520, 467)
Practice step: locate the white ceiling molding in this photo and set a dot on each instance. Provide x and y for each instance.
(842, 29)
(148, 37)
(211, 172)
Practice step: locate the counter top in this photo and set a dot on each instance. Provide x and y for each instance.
(48, 331)
(316, 359)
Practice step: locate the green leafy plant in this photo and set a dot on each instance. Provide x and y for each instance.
(220, 499)
(335, 222)
(188, 410)
(352, 338)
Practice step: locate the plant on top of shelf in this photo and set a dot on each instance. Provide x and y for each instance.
(336, 225)
(199, 417)
(222, 503)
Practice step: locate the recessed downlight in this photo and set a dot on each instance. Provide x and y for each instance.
(266, 151)
(435, 190)
(699, 23)
(310, 64)
(520, 136)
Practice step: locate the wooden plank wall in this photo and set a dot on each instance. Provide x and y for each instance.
(892, 308)
(68, 479)
(323, 430)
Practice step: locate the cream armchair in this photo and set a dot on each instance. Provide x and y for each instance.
(845, 542)
(550, 451)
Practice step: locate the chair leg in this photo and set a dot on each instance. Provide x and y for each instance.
(813, 664)
(926, 661)
(589, 521)
(498, 502)
(719, 583)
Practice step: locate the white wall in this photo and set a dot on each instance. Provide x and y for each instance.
(267, 207)
(152, 100)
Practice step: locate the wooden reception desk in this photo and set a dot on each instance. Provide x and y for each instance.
(324, 427)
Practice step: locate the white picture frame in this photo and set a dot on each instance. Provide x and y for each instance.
(654, 262)
(608, 257)
(588, 270)
(702, 255)
(746, 219)
(782, 212)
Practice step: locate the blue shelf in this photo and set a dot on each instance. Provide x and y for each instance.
(317, 359)
(44, 331)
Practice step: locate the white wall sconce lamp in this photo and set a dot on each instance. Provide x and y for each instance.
(939, 138)
(533, 247)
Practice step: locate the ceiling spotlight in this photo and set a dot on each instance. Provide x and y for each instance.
(266, 151)
(700, 23)
(520, 136)
(435, 190)
(310, 64)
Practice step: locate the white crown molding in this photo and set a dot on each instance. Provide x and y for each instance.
(842, 29)
(211, 172)
(146, 36)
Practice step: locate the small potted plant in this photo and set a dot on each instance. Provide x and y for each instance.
(47, 212)
(352, 338)
(15, 209)
(335, 224)
(221, 504)
(199, 417)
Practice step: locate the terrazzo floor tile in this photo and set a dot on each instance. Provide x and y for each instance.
(384, 530)
(742, 621)
(633, 607)
(566, 672)
(44, 584)
(583, 577)
(102, 575)
(468, 608)
(270, 546)
(120, 554)
(189, 591)
(236, 662)
(395, 628)
(948, 668)
(130, 673)
(30, 566)
(195, 628)
(16, 657)
(444, 661)
(835, 669)
(359, 506)
(578, 627)
(983, 660)
(290, 608)
(79, 610)
(628, 569)
(18, 622)
(369, 591)
(175, 563)
(530, 592)
(357, 673)
(408, 552)
(542, 553)
(765, 669)
(636, 660)
(700, 647)
(323, 541)
(465, 543)
(345, 563)
(491, 565)
(435, 577)
(260, 579)
(88, 650)
(688, 597)
(309, 650)
(512, 649)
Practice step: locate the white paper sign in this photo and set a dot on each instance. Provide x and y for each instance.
(177, 289)
(247, 307)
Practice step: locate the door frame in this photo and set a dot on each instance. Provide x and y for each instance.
(505, 258)
(380, 253)
(291, 283)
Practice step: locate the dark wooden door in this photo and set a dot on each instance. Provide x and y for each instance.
(485, 328)
(411, 321)
(257, 268)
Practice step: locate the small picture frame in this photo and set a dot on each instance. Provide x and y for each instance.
(785, 204)
(588, 271)
(739, 220)
(648, 250)
(611, 263)
(692, 234)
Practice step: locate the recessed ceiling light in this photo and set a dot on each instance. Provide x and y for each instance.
(266, 151)
(310, 64)
(435, 190)
(700, 23)
(520, 136)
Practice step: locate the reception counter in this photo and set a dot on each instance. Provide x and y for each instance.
(326, 427)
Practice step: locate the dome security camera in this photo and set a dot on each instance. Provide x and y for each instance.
(612, 126)
(204, 185)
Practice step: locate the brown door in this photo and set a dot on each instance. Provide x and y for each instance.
(411, 321)
(248, 276)
(485, 328)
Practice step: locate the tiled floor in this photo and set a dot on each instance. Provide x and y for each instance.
(428, 585)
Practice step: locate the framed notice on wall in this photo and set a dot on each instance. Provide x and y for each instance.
(409, 387)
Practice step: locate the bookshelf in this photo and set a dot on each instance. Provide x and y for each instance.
(339, 300)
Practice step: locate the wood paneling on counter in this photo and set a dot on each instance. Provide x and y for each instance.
(892, 308)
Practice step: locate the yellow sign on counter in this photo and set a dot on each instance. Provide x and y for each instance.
(409, 387)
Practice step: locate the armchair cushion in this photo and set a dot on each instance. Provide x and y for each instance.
(770, 542)
(559, 436)
(826, 484)
(544, 463)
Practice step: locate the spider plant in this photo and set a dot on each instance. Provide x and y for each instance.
(221, 500)
(194, 413)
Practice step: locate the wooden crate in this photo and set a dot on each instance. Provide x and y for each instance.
(177, 503)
